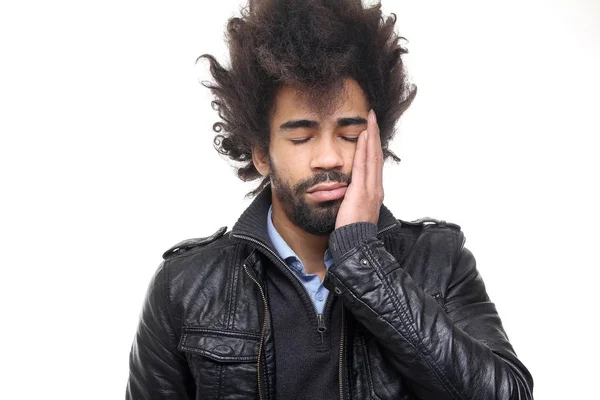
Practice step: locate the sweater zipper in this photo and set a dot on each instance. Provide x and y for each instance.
(262, 333)
(321, 327)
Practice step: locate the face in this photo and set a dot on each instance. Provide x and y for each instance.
(308, 148)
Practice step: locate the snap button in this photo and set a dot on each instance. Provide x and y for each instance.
(338, 290)
(364, 261)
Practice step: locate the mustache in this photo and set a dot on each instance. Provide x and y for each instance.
(330, 176)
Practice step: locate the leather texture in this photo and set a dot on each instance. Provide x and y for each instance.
(418, 323)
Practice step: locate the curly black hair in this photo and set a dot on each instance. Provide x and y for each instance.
(315, 45)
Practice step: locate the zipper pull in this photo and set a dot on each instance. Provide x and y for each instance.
(321, 325)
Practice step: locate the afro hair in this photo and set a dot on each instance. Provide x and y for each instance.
(315, 45)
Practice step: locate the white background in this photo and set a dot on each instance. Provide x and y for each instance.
(106, 160)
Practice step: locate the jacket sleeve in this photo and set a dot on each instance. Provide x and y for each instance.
(156, 369)
(461, 352)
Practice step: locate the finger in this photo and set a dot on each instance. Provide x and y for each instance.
(359, 164)
(374, 155)
(379, 150)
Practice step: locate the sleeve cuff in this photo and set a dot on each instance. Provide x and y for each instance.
(350, 236)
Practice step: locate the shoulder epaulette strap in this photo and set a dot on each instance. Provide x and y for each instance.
(188, 244)
(428, 221)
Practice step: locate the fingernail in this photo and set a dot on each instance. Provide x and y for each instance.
(372, 115)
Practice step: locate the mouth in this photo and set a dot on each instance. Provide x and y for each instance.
(328, 192)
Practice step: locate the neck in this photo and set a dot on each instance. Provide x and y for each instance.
(308, 247)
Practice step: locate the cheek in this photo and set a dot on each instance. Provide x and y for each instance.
(283, 166)
(291, 164)
(349, 153)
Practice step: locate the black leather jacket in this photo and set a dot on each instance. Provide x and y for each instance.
(417, 322)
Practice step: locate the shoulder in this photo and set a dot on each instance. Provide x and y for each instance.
(197, 256)
(428, 226)
(428, 223)
(195, 264)
(432, 252)
(196, 244)
(190, 269)
(431, 235)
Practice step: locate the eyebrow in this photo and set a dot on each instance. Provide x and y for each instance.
(305, 123)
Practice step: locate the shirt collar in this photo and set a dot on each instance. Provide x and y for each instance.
(280, 245)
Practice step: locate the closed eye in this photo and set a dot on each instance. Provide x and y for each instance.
(300, 141)
(346, 138)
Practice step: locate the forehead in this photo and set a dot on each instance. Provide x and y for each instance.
(292, 102)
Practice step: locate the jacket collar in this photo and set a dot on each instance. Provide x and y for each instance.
(252, 224)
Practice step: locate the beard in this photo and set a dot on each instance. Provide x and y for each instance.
(317, 219)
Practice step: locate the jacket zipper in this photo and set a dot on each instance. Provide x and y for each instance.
(321, 328)
(341, 360)
(262, 332)
(387, 228)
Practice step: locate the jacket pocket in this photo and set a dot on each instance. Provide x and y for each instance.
(223, 362)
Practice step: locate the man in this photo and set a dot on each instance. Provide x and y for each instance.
(318, 291)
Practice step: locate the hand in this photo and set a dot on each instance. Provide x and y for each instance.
(364, 195)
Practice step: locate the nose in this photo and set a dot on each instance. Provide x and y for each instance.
(327, 154)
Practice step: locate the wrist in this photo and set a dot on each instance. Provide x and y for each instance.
(347, 237)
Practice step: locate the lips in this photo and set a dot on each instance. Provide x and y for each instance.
(328, 192)
(326, 187)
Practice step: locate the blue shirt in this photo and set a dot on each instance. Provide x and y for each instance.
(317, 292)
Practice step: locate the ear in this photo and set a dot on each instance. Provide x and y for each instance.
(259, 159)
